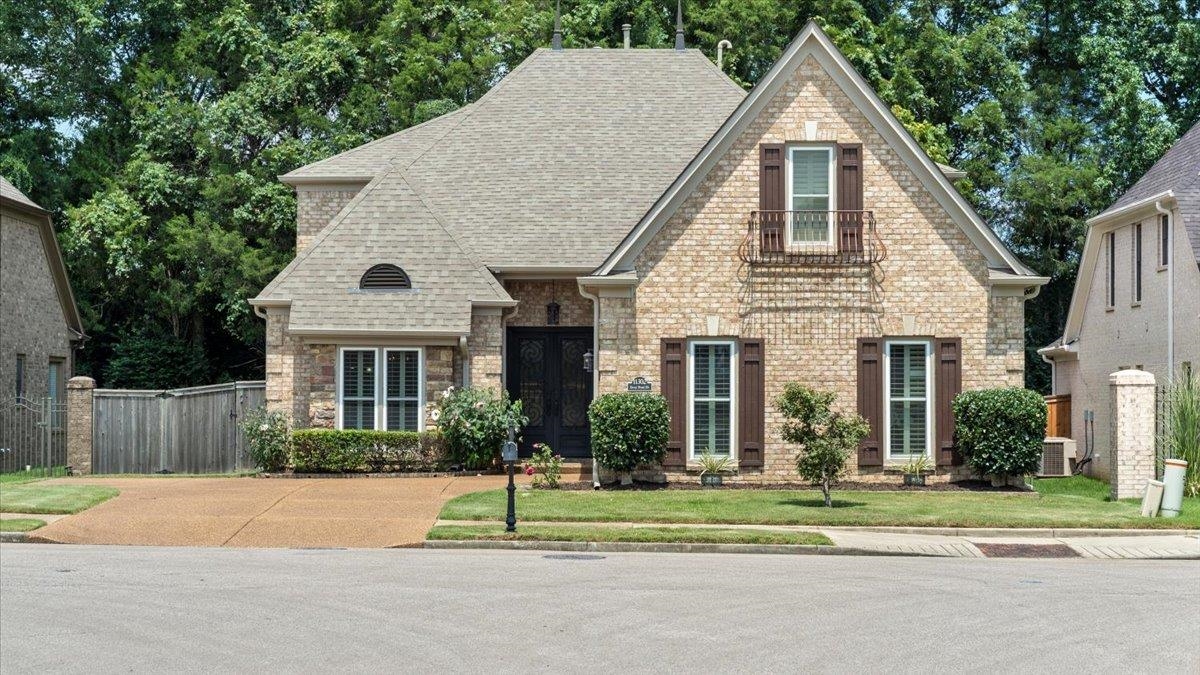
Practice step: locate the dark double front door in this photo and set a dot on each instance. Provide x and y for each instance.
(545, 372)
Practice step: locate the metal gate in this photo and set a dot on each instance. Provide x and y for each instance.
(33, 435)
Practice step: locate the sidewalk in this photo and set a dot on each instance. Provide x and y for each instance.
(975, 543)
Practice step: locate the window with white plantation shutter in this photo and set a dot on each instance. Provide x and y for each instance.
(810, 193)
(403, 390)
(908, 404)
(358, 389)
(711, 374)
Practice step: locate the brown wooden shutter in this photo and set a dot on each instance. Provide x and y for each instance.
(674, 389)
(751, 403)
(849, 197)
(870, 399)
(771, 199)
(948, 381)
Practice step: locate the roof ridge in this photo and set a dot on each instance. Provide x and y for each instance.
(485, 274)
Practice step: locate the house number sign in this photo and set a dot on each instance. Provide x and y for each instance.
(639, 383)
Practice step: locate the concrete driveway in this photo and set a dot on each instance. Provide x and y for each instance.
(262, 512)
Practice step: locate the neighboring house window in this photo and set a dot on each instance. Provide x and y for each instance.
(711, 384)
(810, 194)
(908, 408)
(384, 278)
(20, 375)
(1164, 241)
(1136, 286)
(389, 398)
(55, 390)
(1110, 262)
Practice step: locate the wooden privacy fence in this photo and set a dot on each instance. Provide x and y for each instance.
(1058, 416)
(192, 430)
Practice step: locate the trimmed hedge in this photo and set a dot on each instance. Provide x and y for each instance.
(353, 450)
(629, 430)
(1000, 431)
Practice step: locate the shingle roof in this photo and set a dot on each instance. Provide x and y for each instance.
(1179, 171)
(554, 165)
(9, 191)
(386, 223)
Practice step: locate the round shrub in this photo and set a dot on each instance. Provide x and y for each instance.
(475, 422)
(1000, 431)
(629, 430)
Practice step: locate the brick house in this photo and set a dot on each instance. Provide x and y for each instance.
(1136, 302)
(39, 322)
(612, 220)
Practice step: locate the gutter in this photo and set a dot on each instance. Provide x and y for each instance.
(1125, 211)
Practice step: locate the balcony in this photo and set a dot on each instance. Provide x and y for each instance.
(820, 238)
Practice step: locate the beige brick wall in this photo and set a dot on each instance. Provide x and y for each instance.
(315, 207)
(533, 296)
(31, 317)
(933, 282)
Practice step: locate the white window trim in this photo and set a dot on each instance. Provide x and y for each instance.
(381, 399)
(830, 236)
(930, 390)
(733, 401)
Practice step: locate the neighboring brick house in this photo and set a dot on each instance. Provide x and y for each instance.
(39, 322)
(636, 211)
(1137, 296)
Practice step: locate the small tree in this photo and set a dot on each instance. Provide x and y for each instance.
(826, 438)
(629, 430)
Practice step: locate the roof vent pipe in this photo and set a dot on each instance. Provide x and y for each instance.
(556, 39)
(679, 25)
(721, 47)
(625, 32)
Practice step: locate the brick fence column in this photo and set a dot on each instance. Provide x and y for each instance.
(79, 424)
(1131, 450)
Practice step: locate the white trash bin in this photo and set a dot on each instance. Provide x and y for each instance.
(1174, 471)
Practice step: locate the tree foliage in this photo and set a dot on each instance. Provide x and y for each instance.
(156, 129)
(825, 438)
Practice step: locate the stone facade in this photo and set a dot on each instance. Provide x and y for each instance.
(316, 206)
(934, 281)
(34, 327)
(80, 407)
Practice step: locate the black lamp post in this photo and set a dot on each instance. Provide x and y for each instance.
(509, 454)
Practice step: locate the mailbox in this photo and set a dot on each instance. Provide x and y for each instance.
(508, 452)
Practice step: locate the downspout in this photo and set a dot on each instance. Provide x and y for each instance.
(1170, 289)
(466, 361)
(595, 367)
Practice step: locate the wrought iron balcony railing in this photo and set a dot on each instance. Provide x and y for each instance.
(812, 237)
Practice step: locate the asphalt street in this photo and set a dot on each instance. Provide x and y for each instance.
(144, 609)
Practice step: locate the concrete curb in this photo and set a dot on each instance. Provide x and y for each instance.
(651, 547)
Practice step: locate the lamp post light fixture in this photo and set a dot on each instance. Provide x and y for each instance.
(589, 361)
(508, 452)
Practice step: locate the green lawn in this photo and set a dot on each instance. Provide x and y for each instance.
(38, 497)
(20, 524)
(35, 474)
(674, 535)
(1070, 502)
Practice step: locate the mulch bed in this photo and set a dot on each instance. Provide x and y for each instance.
(962, 486)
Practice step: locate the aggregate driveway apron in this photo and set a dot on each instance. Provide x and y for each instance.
(260, 512)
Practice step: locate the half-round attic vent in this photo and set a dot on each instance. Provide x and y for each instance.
(384, 277)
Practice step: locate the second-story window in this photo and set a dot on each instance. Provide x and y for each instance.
(1164, 241)
(1136, 286)
(810, 194)
(1110, 264)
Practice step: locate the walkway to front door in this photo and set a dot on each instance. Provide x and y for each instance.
(545, 372)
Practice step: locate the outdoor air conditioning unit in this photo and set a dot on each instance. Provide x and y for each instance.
(1058, 457)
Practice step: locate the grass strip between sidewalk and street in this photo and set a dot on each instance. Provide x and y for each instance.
(1058, 503)
(20, 524)
(38, 497)
(670, 535)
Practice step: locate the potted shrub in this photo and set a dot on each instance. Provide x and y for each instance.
(914, 471)
(711, 468)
